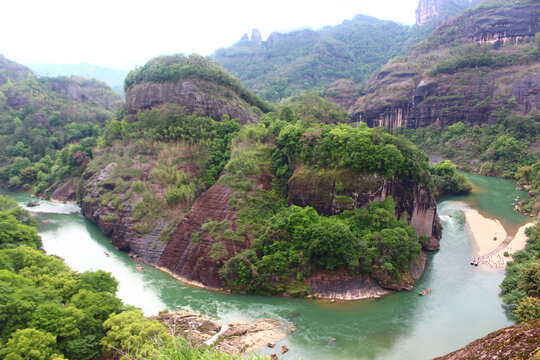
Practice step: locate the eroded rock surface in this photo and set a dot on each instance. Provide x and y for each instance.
(197, 96)
(517, 342)
(239, 337)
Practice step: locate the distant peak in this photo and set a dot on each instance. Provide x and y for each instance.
(244, 37)
(256, 37)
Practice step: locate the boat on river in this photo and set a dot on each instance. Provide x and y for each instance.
(424, 292)
(139, 267)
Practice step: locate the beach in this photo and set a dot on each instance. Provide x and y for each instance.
(488, 234)
(491, 239)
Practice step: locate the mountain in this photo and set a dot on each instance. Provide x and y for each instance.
(200, 179)
(465, 71)
(40, 116)
(113, 77)
(301, 60)
(472, 89)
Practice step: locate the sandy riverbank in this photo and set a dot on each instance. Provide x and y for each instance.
(517, 243)
(488, 234)
(491, 239)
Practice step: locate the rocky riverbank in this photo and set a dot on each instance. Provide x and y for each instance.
(239, 337)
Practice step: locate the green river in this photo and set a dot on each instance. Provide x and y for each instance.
(464, 304)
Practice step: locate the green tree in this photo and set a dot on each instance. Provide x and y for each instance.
(527, 309)
(133, 336)
(30, 344)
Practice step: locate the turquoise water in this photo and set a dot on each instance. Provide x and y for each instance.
(463, 306)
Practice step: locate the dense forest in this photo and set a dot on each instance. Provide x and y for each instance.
(48, 126)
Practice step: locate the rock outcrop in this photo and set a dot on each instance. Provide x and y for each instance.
(341, 285)
(428, 10)
(256, 37)
(194, 260)
(518, 342)
(197, 96)
(236, 337)
(319, 189)
(434, 83)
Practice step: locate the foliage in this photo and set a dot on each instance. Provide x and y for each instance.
(17, 227)
(522, 281)
(527, 309)
(447, 181)
(30, 344)
(497, 150)
(40, 117)
(133, 336)
(47, 307)
(297, 241)
(358, 148)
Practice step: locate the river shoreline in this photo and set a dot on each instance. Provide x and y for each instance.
(491, 239)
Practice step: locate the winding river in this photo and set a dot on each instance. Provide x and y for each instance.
(463, 306)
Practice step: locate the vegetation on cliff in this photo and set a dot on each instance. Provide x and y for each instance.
(48, 126)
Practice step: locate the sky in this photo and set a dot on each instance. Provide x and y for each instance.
(126, 33)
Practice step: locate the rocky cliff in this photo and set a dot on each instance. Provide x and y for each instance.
(197, 96)
(468, 69)
(430, 10)
(514, 342)
(414, 202)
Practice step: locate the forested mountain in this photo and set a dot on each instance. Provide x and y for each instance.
(113, 77)
(286, 64)
(472, 89)
(39, 117)
(183, 185)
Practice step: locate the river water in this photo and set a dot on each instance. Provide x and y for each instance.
(464, 304)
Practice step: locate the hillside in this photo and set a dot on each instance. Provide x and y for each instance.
(113, 77)
(481, 68)
(204, 197)
(195, 83)
(40, 117)
(286, 64)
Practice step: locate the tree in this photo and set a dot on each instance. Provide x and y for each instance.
(332, 244)
(133, 336)
(30, 344)
(527, 309)
(98, 281)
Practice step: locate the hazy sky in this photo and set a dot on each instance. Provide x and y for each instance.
(125, 33)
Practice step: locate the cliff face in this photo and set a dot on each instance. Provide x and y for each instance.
(195, 259)
(197, 96)
(514, 342)
(467, 70)
(430, 9)
(320, 190)
(343, 92)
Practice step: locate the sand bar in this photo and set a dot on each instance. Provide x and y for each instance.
(488, 234)
(519, 241)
